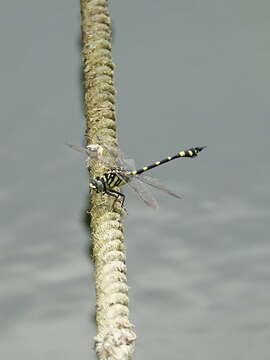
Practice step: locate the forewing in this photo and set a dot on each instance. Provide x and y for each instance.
(117, 158)
(78, 148)
(141, 190)
(120, 159)
(156, 184)
(143, 193)
(128, 164)
(93, 152)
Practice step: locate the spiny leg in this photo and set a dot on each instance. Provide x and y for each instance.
(116, 195)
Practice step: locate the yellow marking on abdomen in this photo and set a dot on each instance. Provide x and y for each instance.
(182, 153)
(145, 168)
(169, 158)
(157, 162)
(190, 152)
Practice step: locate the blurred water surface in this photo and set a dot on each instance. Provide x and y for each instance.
(188, 73)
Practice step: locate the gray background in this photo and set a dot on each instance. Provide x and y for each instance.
(188, 73)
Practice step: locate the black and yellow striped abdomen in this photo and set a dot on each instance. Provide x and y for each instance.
(190, 153)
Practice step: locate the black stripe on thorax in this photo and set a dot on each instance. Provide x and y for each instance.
(112, 180)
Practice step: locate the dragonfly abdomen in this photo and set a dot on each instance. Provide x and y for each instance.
(190, 153)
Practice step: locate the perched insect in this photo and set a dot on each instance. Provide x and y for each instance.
(124, 173)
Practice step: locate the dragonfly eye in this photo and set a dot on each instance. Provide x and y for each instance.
(92, 186)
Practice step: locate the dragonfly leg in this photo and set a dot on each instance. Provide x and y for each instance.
(117, 195)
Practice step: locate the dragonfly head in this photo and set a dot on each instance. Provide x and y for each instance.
(96, 184)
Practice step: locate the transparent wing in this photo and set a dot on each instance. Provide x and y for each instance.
(79, 148)
(141, 190)
(94, 152)
(128, 164)
(156, 184)
(143, 193)
(118, 158)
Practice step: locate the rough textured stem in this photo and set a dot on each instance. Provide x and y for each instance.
(115, 336)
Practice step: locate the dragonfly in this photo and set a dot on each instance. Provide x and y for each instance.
(125, 173)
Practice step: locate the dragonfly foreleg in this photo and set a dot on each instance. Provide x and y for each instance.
(116, 195)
